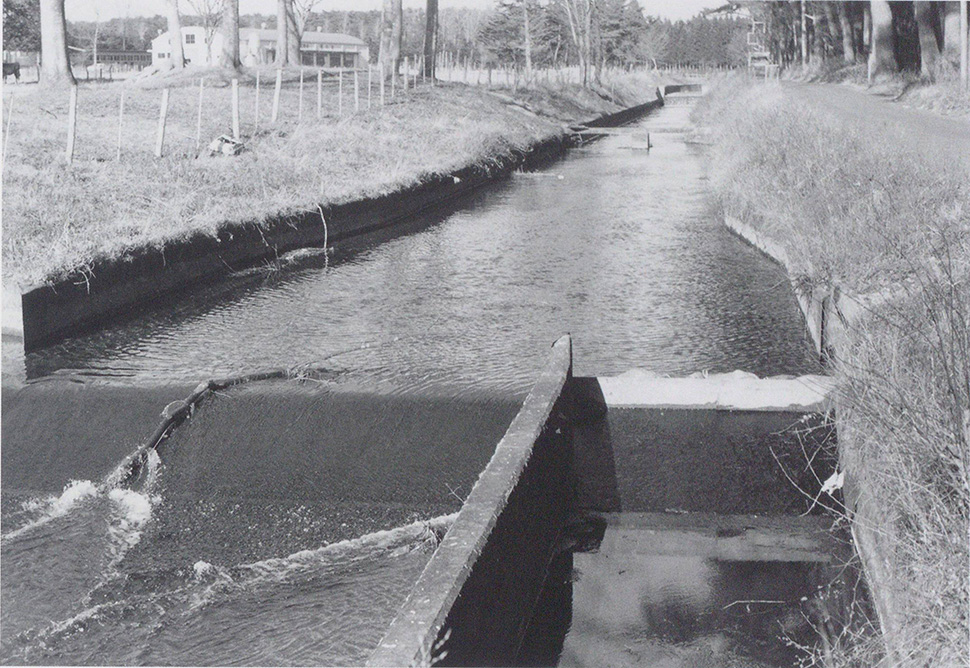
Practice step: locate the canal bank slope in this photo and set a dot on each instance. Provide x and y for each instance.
(868, 206)
(113, 222)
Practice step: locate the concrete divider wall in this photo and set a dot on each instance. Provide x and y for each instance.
(474, 600)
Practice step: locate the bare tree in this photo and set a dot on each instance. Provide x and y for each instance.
(210, 13)
(55, 65)
(177, 55)
(579, 14)
(230, 35)
(302, 10)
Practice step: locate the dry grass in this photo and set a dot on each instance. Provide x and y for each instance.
(942, 94)
(855, 213)
(59, 219)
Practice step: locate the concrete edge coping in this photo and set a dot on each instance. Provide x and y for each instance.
(12, 319)
(842, 308)
(736, 391)
(412, 634)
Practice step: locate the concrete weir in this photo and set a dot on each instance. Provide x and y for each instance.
(582, 445)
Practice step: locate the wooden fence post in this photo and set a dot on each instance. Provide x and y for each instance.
(319, 94)
(356, 92)
(6, 136)
(198, 119)
(370, 76)
(256, 113)
(393, 80)
(72, 125)
(276, 95)
(340, 93)
(121, 119)
(382, 84)
(407, 68)
(235, 109)
(299, 105)
(162, 117)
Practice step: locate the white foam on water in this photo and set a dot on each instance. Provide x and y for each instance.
(392, 542)
(53, 507)
(133, 511)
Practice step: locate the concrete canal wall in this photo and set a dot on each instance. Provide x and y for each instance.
(474, 601)
(828, 313)
(45, 314)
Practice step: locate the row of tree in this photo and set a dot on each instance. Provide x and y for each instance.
(527, 33)
(890, 36)
(292, 19)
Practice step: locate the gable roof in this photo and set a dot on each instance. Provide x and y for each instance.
(269, 35)
(309, 37)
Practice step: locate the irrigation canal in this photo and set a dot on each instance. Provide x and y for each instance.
(286, 521)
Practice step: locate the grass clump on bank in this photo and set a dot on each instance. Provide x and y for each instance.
(60, 219)
(858, 212)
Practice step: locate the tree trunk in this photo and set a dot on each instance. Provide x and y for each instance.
(848, 43)
(882, 57)
(867, 27)
(951, 27)
(832, 22)
(804, 34)
(55, 65)
(177, 56)
(392, 16)
(282, 32)
(230, 35)
(397, 34)
(294, 36)
(430, 37)
(929, 48)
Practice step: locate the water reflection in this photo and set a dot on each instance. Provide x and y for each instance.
(626, 605)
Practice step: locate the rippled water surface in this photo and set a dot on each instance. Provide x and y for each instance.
(619, 246)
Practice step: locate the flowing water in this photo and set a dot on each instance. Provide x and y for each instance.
(250, 545)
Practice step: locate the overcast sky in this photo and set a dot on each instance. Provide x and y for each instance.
(90, 10)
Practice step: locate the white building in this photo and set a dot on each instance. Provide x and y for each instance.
(257, 46)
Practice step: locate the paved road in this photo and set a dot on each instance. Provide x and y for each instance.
(922, 131)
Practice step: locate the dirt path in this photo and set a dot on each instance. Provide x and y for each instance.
(921, 131)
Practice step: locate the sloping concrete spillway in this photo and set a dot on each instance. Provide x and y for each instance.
(286, 520)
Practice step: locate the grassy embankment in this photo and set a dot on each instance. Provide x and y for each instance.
(59, 219)
(850, 204)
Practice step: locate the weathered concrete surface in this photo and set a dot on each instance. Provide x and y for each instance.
(730, 391)
(474, 600)
(721, 537)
